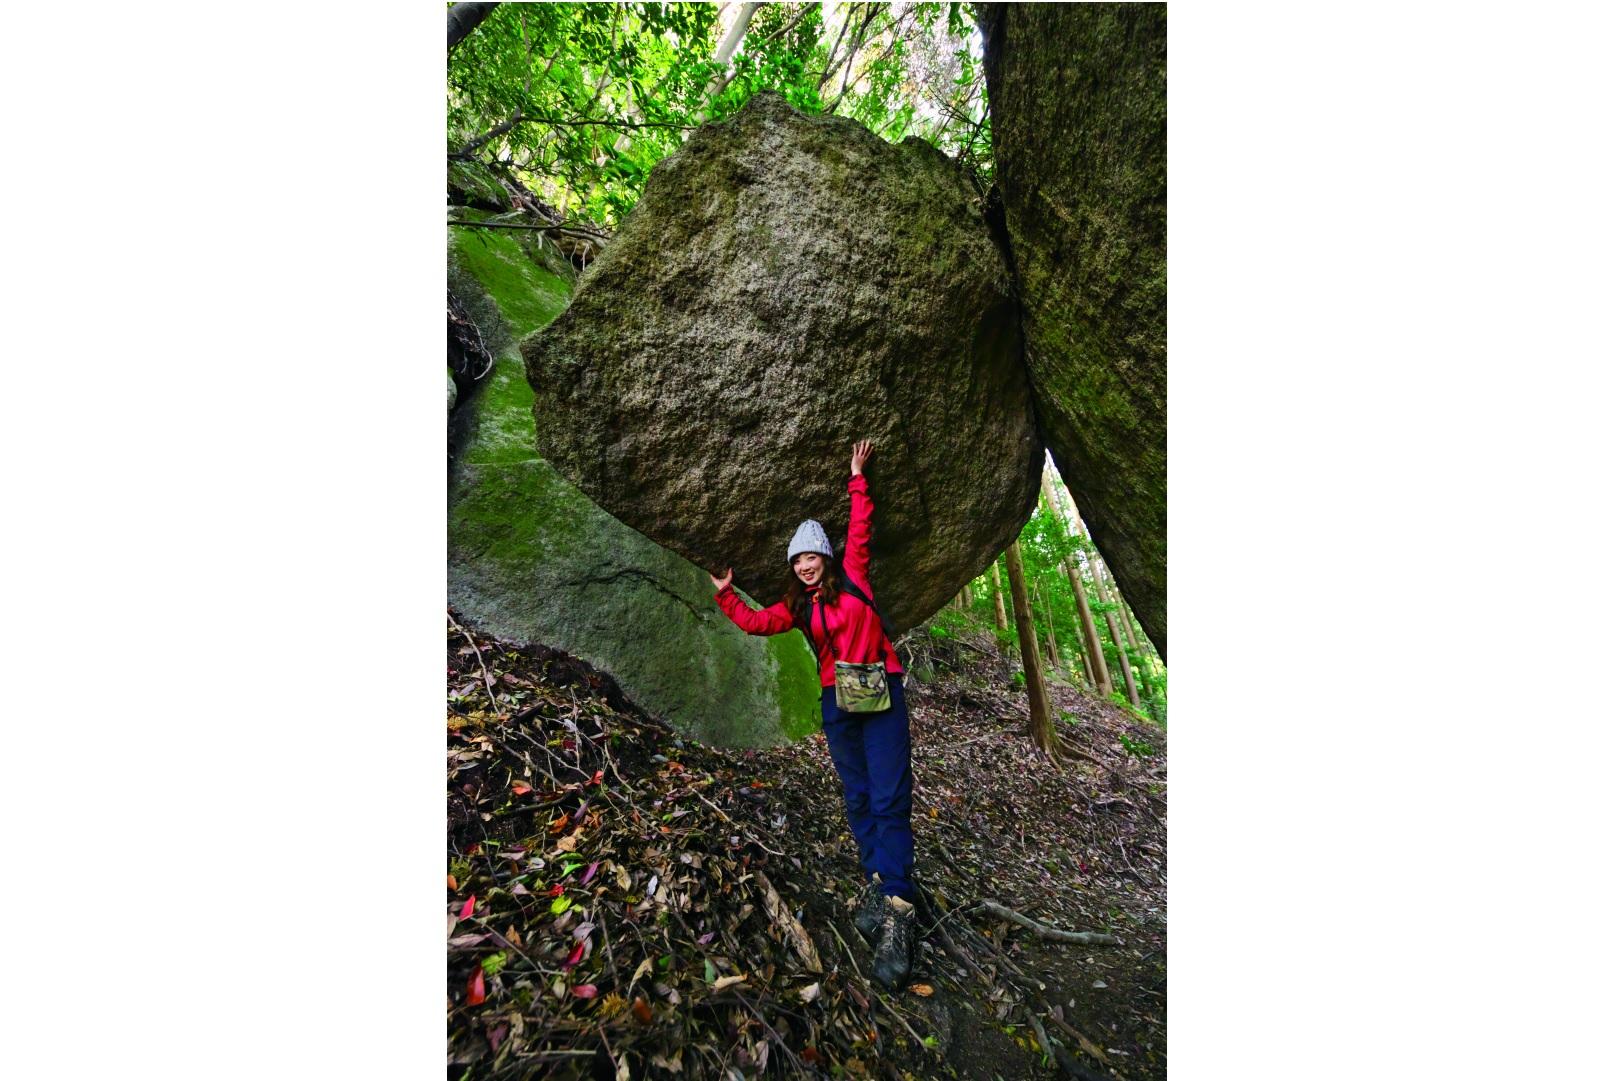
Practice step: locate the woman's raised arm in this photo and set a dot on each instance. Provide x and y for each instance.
(858, 540)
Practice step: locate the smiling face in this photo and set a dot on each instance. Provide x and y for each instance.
(809, 567)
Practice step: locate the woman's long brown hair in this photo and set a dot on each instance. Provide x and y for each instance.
(827, 591)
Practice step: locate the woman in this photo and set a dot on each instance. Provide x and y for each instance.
(872, 751)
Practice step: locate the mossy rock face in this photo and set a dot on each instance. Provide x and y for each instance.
(475, 185)
(787, 285)
(532, 559)
(1077, 96)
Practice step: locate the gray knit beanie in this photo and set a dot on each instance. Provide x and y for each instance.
(809, 537)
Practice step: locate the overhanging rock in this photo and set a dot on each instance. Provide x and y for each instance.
(786, 285)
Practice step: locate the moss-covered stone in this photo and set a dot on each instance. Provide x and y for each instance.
(1077, 96)
(473, 184)
(531, 558)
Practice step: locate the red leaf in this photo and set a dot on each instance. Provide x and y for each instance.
(643, 1012)
(475, 987)
(520, 789)
(574, 955)
(467, 909)
(589, 871)
(555, 891)
(584, 990)
(596, 778)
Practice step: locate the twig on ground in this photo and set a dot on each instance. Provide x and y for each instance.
(1042, 930)
(489, 683)
(735, 824)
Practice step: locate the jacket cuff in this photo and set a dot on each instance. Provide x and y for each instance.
(858, 483)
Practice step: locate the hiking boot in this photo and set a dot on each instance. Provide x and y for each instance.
(870, 913)
(897, 939)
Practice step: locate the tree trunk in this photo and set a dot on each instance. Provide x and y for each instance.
(1047, 615)
(463, 18)
(1041, 721)
(1125, 611)
(723, 53)
(1095, 666)
(1096, 563)
(996, 591)
(1086, 661)
(1125, 664)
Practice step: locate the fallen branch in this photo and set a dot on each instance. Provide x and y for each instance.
(1084, 938)
(489, 681)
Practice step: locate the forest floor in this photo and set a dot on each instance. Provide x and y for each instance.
(625, 904)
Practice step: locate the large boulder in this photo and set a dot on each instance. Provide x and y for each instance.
(786, 285)
(532, 559)
(1077, 96)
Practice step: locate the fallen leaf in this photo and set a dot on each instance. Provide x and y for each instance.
(809, 992)
(922, 989)
(475, 987)
(584, 990)
(555, 891)
(643, 1012)
(467, 909)
(596, 778)
(589, 871)
(450, 880)
(642, 969)
(521, 789)
(727, 981)
(574, 955)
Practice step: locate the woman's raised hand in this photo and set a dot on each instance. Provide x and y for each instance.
(722, 583)
(859, 453)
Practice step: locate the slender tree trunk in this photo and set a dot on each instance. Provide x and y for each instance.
(1041, 721)
(1047, 616)
(1097, 669)
(463, 19)
(996, 591)
(1114, 633)
(723, 53)
(1125, 610)
(1086, 662)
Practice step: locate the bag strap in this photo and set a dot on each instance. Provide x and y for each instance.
(860, 595)
(833, 648)
(883, 621)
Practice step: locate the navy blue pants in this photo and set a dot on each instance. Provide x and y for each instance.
(873, 754)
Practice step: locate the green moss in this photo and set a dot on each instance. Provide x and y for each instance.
(528, 294)
(797, 682)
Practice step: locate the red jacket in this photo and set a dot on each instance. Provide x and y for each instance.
(857, 633)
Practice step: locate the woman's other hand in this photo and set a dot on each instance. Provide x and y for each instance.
(859, 453)
(722, 583)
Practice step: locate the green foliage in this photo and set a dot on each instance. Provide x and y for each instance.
(578, 101)
(1141, 750)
